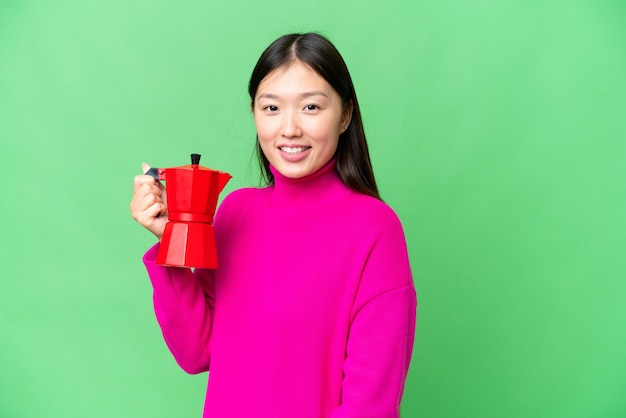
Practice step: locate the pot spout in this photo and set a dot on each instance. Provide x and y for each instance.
(222, 179)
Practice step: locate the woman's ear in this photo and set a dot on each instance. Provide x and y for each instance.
(347, 116)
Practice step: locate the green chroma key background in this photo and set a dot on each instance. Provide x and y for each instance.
(497, 131)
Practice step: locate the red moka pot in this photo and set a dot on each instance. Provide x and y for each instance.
(192, 190)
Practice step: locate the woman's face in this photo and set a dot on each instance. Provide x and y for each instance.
(298, 118)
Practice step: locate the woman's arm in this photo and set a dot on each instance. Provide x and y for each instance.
(183, 304)
(380, 339)
(378, 356)
(183, 300)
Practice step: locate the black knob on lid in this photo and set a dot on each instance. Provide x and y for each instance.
(195, 159)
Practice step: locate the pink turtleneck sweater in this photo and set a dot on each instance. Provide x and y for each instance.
(311, 312)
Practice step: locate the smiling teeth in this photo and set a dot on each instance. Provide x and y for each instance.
(293, 150)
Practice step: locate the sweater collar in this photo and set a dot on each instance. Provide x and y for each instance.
(308, 189)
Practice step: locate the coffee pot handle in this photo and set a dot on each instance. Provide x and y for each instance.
(157, 173)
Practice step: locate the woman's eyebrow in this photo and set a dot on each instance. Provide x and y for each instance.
(268, 96)
(314, 93)
(303, 95)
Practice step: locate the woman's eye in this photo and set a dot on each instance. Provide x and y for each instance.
(311, 107)
(271, 108)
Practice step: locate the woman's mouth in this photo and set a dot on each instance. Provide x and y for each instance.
(294, 154)
(293, 150)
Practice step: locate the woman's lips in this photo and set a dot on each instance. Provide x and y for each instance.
(294, 153)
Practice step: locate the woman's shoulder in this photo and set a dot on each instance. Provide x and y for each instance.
(373, 208)
(238, 204)
(372, 216)
(239, 199)
(243, 194)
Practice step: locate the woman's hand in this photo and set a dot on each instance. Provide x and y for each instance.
(148, 206)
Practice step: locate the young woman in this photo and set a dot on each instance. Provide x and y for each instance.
(311, 312)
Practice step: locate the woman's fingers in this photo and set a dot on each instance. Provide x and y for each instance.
(148, 205)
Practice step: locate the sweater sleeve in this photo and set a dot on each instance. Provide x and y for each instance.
(378, 355)
(183, 304)
(380, 340)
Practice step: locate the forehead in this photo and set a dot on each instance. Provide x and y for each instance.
(296, 78)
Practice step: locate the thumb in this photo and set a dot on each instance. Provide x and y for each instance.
(144, 168)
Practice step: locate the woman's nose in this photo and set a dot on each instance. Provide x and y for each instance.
(291, 125)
